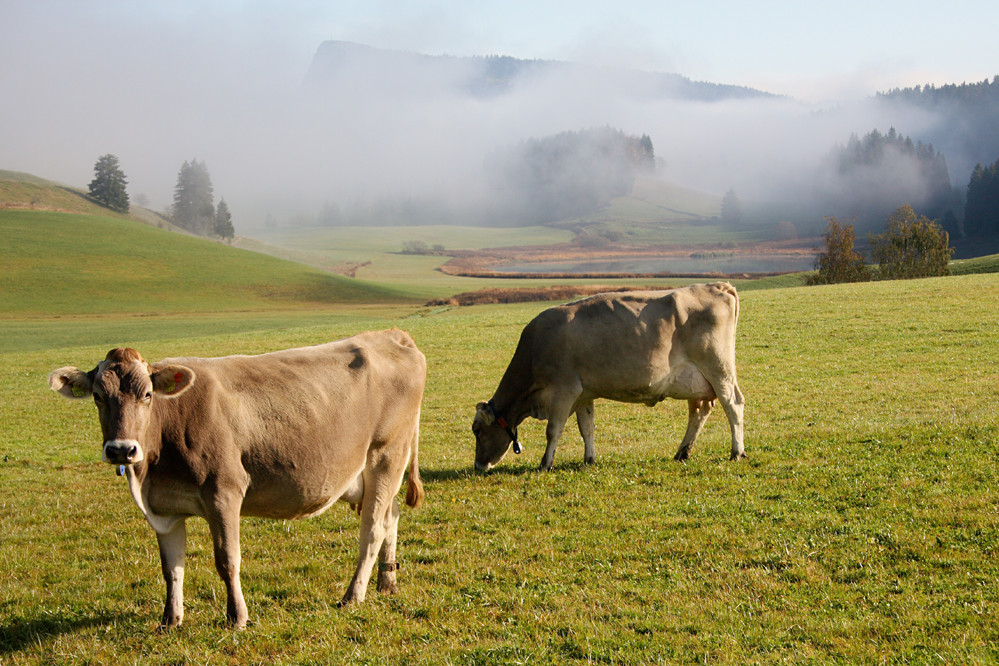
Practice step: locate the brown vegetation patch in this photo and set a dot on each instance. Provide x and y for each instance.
(485, 262)
(349, 268)
(531, 294)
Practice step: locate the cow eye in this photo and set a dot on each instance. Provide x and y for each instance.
(147, 397)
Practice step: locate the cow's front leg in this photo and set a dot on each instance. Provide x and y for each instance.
(558, 415)
(587, 426)
(172, 550)
(697, 413)
(223, 521)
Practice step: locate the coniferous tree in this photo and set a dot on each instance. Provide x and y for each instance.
(981, 208)
(108, 185)
(223, 222)
(731, 208)
(194, 199)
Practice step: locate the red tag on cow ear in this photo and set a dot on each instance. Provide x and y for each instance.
(178, 377)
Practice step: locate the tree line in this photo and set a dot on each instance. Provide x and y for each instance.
(194, 207)
(911, 246)
(870, 176)
(981, 208)
(568, 174)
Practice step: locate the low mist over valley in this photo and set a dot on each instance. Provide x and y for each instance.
(373, 136)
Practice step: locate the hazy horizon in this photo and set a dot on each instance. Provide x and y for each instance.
(157, 86)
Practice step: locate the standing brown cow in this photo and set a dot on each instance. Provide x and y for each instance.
(279, 435)
(634, 347)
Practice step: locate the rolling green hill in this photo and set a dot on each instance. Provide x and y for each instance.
(68, 263)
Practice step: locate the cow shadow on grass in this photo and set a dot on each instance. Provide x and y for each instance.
(19, 633)
(517, 469)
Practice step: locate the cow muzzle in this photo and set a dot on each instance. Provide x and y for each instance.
(122, 452)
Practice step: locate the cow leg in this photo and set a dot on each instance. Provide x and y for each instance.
(387, 564)
(697, 414)
(733, 402)
(585, 420)
(558, 415)
(223, 522)
(172, 549)
(381, 483)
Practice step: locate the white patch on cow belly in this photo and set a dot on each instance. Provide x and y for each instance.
(685, 382)
(160, 524)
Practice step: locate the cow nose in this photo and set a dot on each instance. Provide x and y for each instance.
(122, 452)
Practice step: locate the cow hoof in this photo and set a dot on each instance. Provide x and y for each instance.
(348, 600)
(387, 588)
(590, 461)
(681, 456)
(739, 456)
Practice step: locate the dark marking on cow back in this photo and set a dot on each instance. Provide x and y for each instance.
(359, 361)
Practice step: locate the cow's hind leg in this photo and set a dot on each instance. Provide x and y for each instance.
(172, 547)
(733, 403)
(387, 564)
(587, 426)
(697, 413)
(379, 510)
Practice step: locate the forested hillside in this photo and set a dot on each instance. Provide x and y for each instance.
(965, 126)
(869, 177)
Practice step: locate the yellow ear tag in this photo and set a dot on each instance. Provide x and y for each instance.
(169, 385)
(78, 392)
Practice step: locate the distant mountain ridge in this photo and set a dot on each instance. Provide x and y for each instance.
(339, 63)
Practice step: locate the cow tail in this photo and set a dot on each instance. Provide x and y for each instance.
(414, 486)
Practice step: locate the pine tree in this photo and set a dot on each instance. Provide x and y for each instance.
(108, 185)
(194, 199)
(731, 208)
(223, 221)
(981, 209)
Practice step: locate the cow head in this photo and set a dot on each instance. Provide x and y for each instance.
(123, 388)
(493, 436)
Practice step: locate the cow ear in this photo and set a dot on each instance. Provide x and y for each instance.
(172, 380)
(71, 382)
(483, 413)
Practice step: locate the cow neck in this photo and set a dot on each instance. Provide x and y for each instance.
(139, 475)
(513, 410)
(139, 488)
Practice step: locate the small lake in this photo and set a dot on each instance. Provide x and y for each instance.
(734, 263)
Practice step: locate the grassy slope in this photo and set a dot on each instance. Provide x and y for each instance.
(863, 528)
(60, 263)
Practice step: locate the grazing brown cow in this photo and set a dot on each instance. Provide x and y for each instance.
(634, 347)
(279, 435)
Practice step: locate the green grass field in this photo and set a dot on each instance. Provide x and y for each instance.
(863, 528)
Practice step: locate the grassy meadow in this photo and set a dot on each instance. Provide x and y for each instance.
(863, 528)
